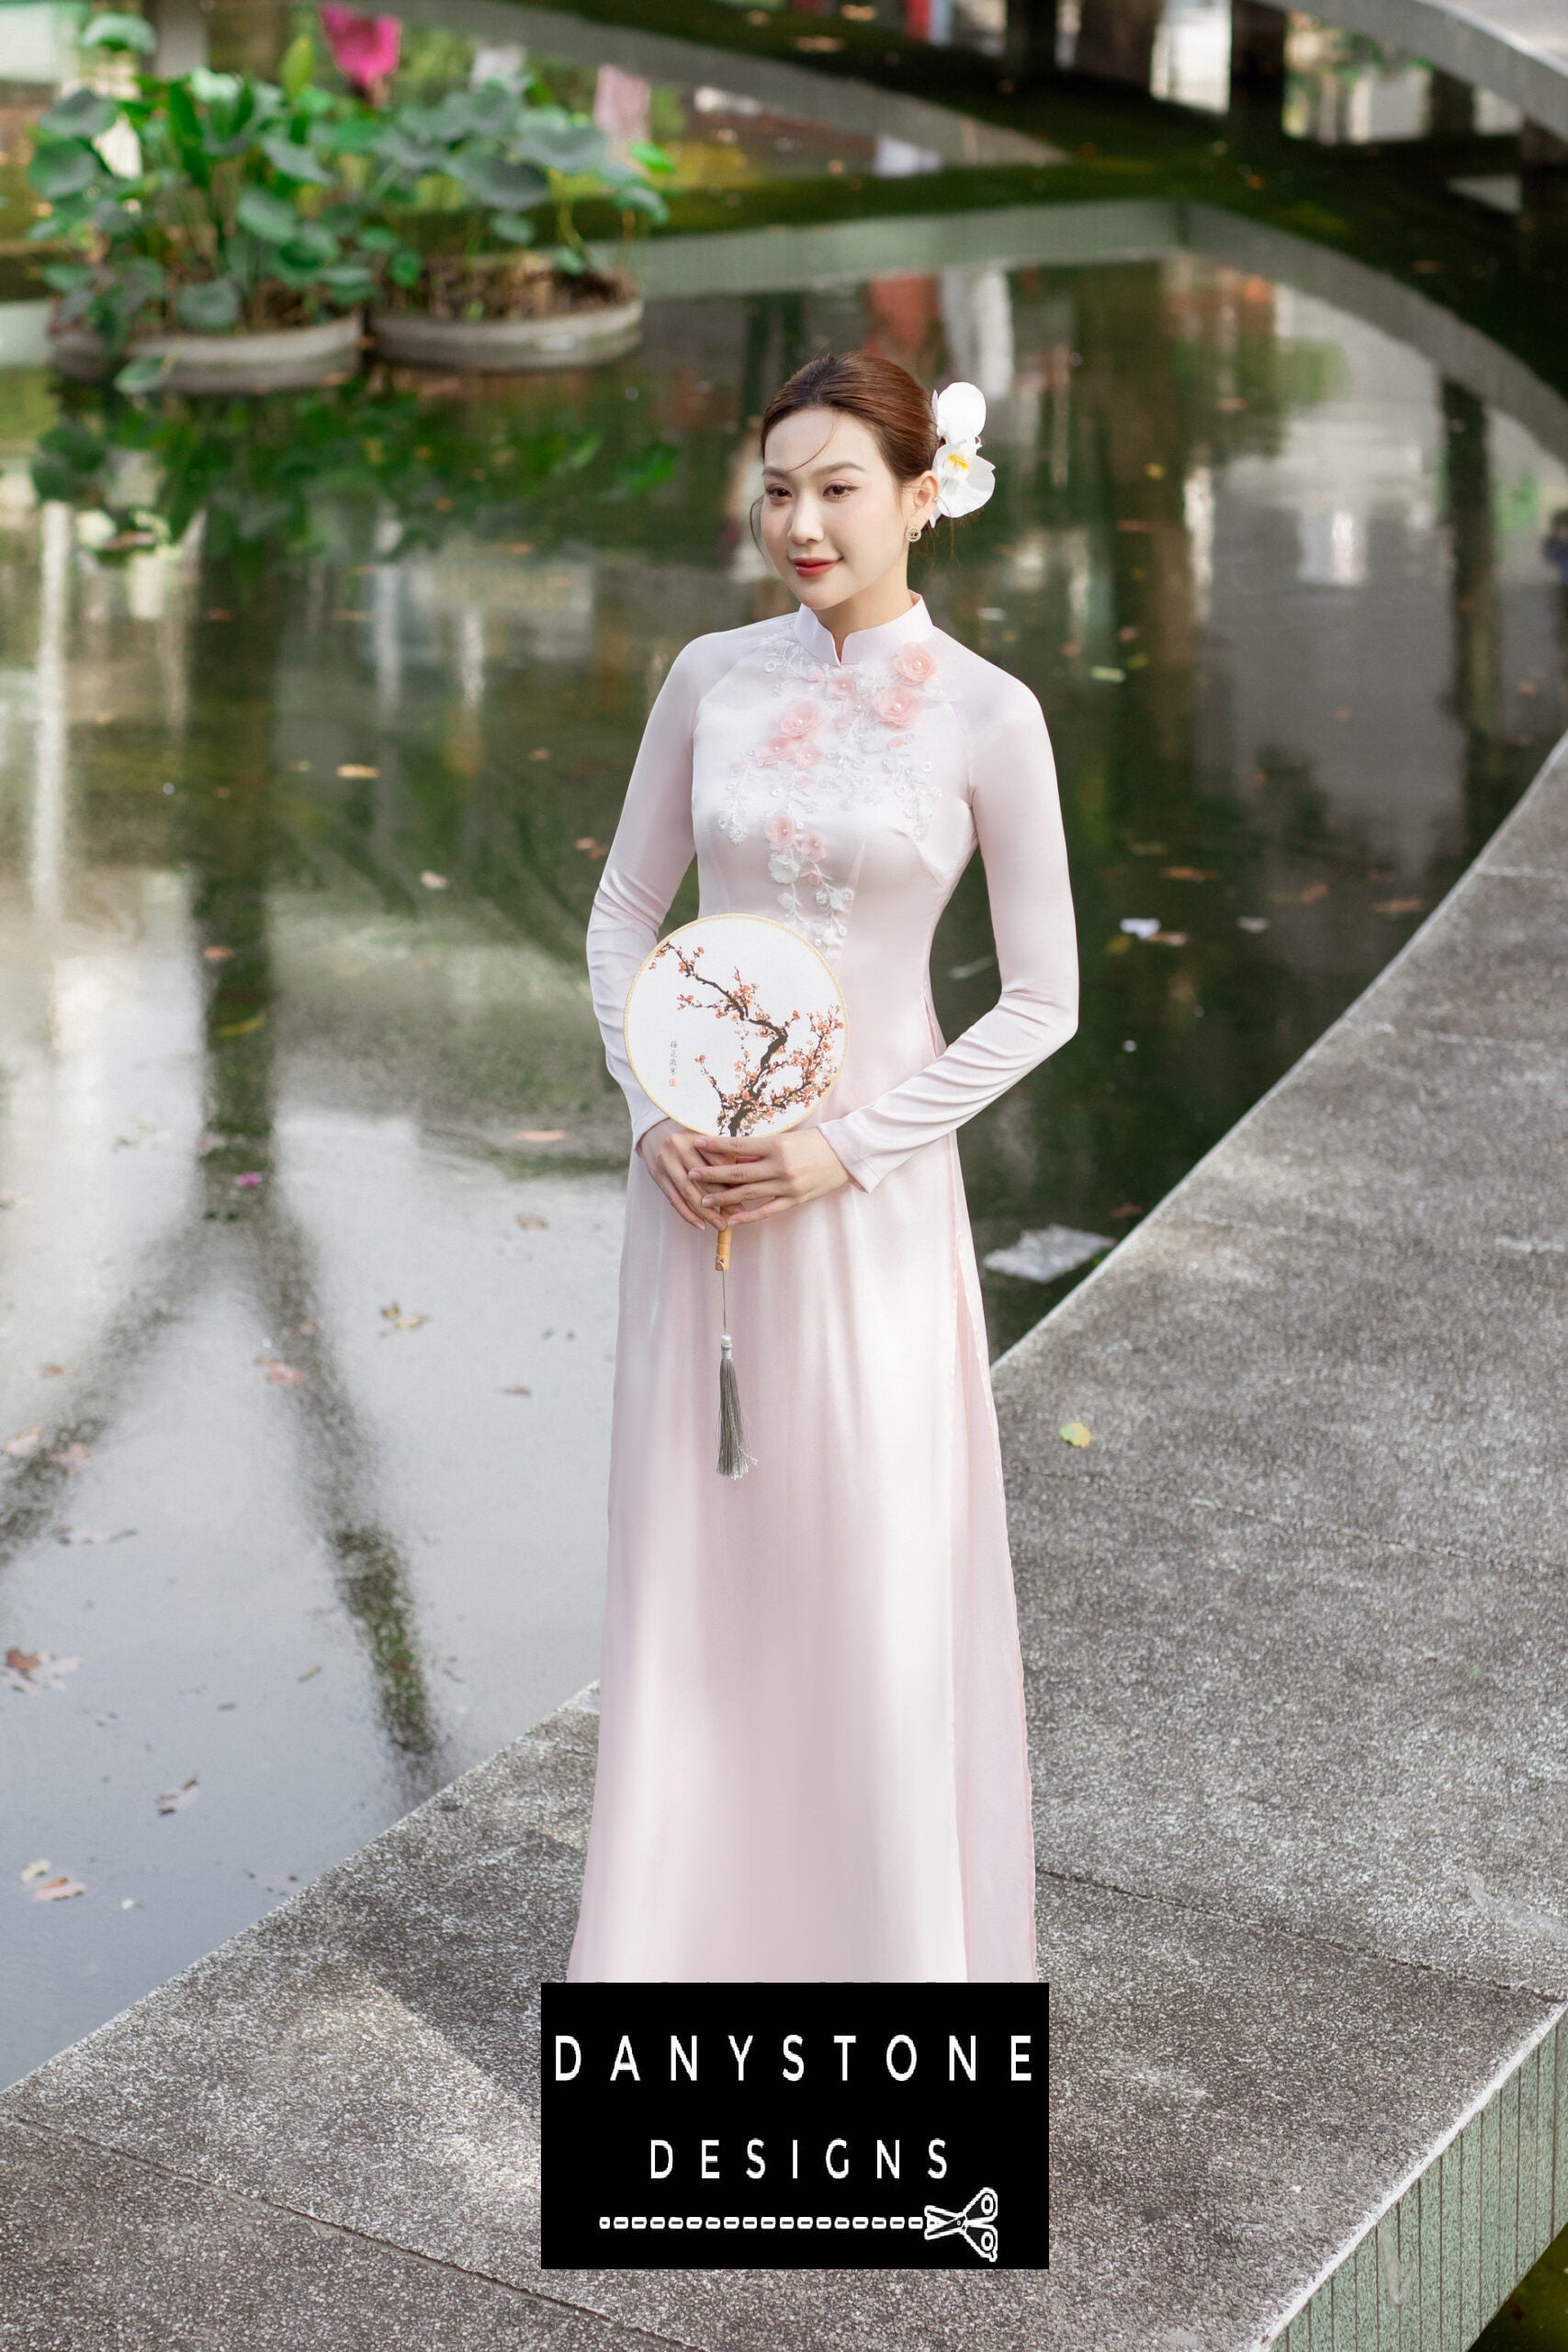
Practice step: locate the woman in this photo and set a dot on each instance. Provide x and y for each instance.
(812, 1759)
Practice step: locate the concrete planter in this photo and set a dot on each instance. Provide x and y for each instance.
(281, 359)
(501, 347)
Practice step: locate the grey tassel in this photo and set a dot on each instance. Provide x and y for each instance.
(733, 1459)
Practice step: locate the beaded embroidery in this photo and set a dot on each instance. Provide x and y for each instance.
(845, 736)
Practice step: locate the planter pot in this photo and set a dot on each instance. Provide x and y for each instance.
(573, 339)
(278, 359)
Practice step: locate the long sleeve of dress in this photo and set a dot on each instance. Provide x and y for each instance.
(648, 859)
(1017, 826)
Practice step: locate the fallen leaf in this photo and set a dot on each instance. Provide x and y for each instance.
(55, 1890)
(517, 1392)
(1313, 892)
(1425, 268)
(541, 754)
(1130, 523)
(1188, 872)
(283, 1375)
(1128, 1208)
(532, 1224)
(216, 613)
(519, 547)
(349, 612)
(73, 1457)
(300, 767)
(538, 1135)
(1118, 946)
(1342, 714)
(1128, 635)
(90, 1535)
(36, 1670)
(12, 1200)
(400, 1321)
(176, 1800)
(1169, 938)
(243, 1028)
(1231, 401)
(1074, 1432)
(433, 881)
(53, 1371)
(216, 955)
(1399, 905)
(350, 769)
(1070, 652)
(592, 848)
(816, 44)
(34, 1870)
(308, 1672)
(1252, 923)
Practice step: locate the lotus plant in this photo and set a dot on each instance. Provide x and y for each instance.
(237, 206)
(483, 170)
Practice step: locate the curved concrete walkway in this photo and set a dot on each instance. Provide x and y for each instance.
(1296, 1637)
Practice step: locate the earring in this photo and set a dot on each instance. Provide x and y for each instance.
(916, 532)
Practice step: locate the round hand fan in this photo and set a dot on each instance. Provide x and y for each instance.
(735, 1025)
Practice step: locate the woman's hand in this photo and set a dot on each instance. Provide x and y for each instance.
(743, 1177)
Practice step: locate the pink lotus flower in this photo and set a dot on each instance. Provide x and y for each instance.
(364, 49)
(914, 664)
(779, 829)
(799, 719)
(897, 706)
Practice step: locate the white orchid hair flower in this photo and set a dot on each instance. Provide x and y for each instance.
(965, 479)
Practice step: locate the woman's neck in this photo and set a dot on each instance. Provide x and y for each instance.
(886, 600)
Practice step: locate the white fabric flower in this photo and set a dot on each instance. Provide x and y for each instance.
(965, 479)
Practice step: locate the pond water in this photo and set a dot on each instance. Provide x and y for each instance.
(310, 1168)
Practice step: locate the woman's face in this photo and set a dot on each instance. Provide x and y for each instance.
(834, 519)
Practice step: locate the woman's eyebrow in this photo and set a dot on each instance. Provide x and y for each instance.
(840, 466)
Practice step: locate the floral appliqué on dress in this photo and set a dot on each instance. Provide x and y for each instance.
(847, 737)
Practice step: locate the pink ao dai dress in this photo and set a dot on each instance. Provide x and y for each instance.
(812, 1756)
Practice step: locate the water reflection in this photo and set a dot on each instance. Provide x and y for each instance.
(307, 806)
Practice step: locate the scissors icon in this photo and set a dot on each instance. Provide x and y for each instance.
(975, 2224)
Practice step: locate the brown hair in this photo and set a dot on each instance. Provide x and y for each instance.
(884, 397)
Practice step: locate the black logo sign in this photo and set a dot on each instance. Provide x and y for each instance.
(794, 2125)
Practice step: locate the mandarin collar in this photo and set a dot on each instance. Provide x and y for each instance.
(862, 644)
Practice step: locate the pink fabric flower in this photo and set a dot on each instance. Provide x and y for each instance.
(841, 686)
(813, 846)
(779, 829)
(914, 664)
(806, 755)
(799, 719)
(771, 753)
(897, 706)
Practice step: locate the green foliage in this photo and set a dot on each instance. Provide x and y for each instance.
(244, 202)
(263, 473)
(256, 201)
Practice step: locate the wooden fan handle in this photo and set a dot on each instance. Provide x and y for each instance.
(721, 1256)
